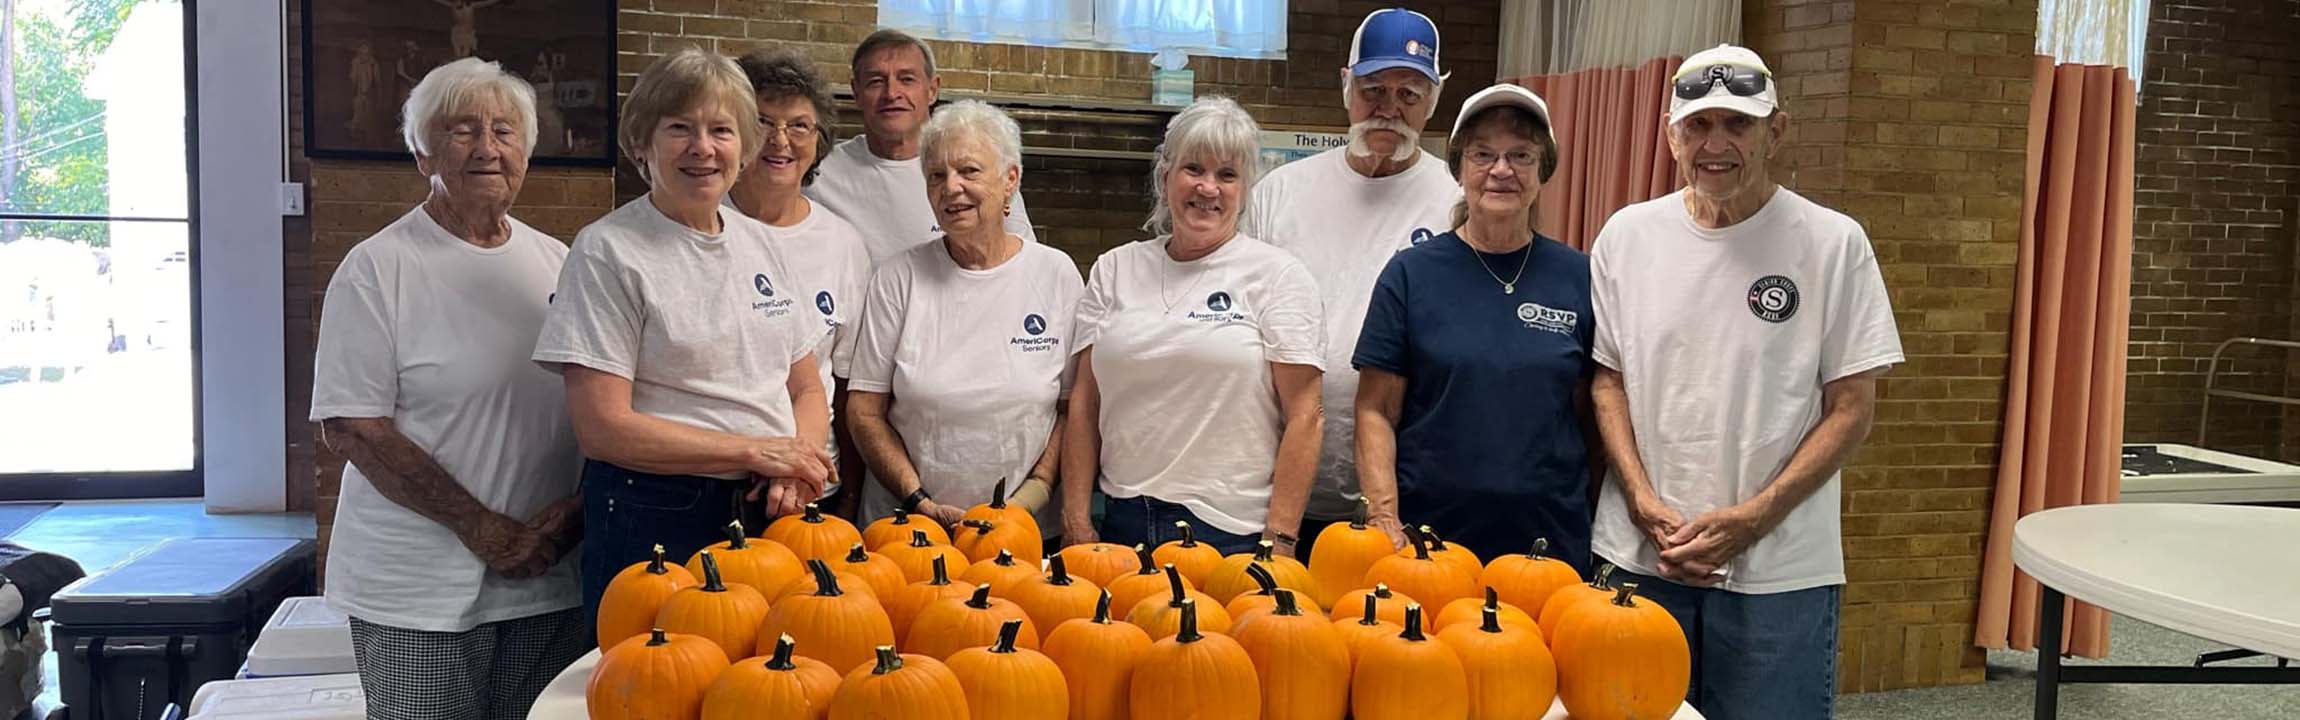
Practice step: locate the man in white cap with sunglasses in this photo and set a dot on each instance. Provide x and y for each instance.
(1345, 211)
(1741, 331)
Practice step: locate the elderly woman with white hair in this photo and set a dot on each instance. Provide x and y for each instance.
(458, 504)
(1201, 351)
(690, 367)
(964, 353)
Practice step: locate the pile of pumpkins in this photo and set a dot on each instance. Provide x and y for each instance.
(816, 610)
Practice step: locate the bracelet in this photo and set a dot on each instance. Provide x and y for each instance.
(911, 502)
(1284, 539)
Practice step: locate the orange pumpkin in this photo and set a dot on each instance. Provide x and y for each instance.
(1100, 563)
(656, 676)
(1388, 605)
(1161, 616)
(1528, 580)
(1367, 625)
(1408, 676)
(765, 566)
(635, 595)
(998, 512)
(1264, 597)
(1097, 658)
(728, 615)
(1454, 555)
(805, 585)
(1421, 576)
(1510, 671)
(1470, 610)
(904, 606)
(915, 558)
(911, 687)
(1621, 659)
(1553, 611)
(1344, 552)
(1229, 579)
(1201, 676)
(1056, 598)
(1001, 573)
(883, 576)
(948, 626)
(1299, 658)
(896, 530)
(830, 624)
(814, 536)
(1196, 560)
(1004, 681)
(779, 687)
(1149, 581)
(984, 539)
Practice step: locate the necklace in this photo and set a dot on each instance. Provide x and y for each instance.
(1508, 287)
(1166, 267)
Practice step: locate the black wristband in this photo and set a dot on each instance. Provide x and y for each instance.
(910, 503)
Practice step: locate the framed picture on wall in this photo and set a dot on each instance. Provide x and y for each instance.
(362, 57)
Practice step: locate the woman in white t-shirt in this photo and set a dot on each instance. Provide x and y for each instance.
(1201, 354)
(966, 340)
(690, 369)
(459, 501)
(826, 255)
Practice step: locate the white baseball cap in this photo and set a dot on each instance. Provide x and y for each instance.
(1761, 104)
(1505, 94)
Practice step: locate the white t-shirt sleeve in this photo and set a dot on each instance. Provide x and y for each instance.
(871, 366)
(1073, 289)
(355, 373)
(1098, 301)
(1606, 346)
(1860, 334)
(595, 315)
(1293, 319)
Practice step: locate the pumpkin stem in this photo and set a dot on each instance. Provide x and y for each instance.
(1057, 572)
(901, 517)
(857, 555)
(826, 584)
(1621, 594)
(1492, 619)
(711, 582)
(1436, 544)
(941, 570)
(1149, 564)
(998, 495)
(1358, 519)
(1189, 631)
(1102, 609)
(1262, 551)
(1189, 539)
(1005, 557)
(981, 527)
(980, 600)
(1602, 579)
(1382, 590)
(1286, 604)
(918, 539)
(1373, 608)
(888, 661)
(735, 539)
(655, 567)
(1421, 542)
(781, 660)
(814, 514)
(1262, 577)
(655, 638)
(1492, 599)
(1174, 583)
(1006, 634)
(1413, 631)
(1540, 548)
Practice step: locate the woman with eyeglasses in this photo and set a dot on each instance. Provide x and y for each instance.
(1474, 358)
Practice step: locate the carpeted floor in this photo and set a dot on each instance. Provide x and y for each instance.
(2010, 692)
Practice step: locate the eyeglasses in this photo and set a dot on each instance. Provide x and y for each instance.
(797, 131)
(1482, 158)
(1743, 81)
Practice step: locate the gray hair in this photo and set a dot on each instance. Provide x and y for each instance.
(973, 119)
(888, 38)
(1214, 126)
(455, 87)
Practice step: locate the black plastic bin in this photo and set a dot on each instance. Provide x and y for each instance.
(153, 629)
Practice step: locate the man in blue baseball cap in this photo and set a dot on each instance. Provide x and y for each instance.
(1345, 211)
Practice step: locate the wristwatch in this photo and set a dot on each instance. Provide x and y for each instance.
(911, 502)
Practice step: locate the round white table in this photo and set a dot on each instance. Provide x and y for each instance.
(2226, 573)
(563, 698)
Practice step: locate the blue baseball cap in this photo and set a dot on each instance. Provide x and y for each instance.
(1395, 38)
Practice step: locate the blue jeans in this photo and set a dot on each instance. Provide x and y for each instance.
(1754, 656)
(1150, 521)
(627, 512)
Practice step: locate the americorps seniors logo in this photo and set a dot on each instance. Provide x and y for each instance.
(1034, 338)
(1218, 302)
(768, 305)
(824, 302)
(1220, 308)
(1542, 317)
(1421, 235)
(1773, 298)
(1034, 324)
(759, 282)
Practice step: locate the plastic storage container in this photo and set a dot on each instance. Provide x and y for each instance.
(310, 697)
(175, 616)
(304, 637)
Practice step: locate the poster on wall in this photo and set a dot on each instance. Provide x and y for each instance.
(1279, 147)
(363, 57)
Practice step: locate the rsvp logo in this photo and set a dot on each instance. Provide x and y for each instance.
(760, 283)
(1034, 324)
(1218, 302)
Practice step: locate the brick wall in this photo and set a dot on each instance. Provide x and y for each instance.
(1912, 117)
(2216, 175)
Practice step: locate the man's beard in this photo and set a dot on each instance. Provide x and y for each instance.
(1359, 148)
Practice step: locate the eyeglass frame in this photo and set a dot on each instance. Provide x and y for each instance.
(1740, 80)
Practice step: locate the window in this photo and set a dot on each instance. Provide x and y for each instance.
(1226, 28)
(96, 339)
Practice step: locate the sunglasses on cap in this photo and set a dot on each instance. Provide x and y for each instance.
(1739, 80)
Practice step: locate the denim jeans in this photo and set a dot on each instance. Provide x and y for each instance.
(627, 512)
(1150, 521)
(1768, 656)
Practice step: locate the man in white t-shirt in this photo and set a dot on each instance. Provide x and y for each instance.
(1345, 211)
(873, 180)
(1741, 330)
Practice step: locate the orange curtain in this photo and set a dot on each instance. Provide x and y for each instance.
(2064, 409)
(1610, 149)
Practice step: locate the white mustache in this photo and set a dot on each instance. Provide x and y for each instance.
(1358, 133)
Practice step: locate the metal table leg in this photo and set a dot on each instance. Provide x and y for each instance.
(2048, 618)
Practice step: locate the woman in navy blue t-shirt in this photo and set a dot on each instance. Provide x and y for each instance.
(1475, 356)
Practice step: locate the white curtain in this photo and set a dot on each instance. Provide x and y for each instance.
(1042, 22)
(2094, 32)
(1232, 28)
(1552, 37)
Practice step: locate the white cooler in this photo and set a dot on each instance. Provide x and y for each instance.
(309, 697)
(304, 637)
